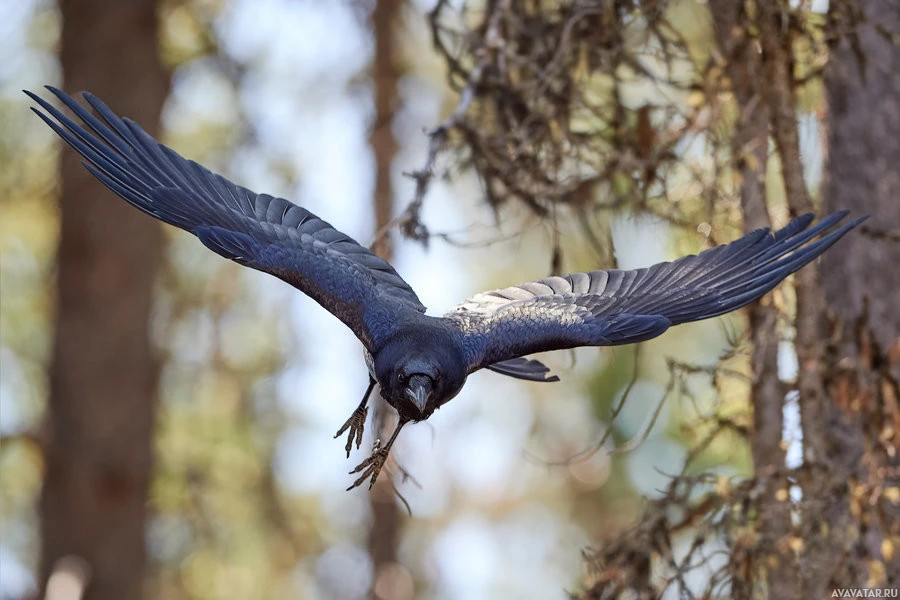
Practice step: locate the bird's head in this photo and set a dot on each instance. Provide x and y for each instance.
(418, 381)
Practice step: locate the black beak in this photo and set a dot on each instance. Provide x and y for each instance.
(419, 391)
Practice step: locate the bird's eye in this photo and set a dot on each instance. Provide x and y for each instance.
(401, 377)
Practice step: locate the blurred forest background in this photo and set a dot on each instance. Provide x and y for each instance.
(167, 416)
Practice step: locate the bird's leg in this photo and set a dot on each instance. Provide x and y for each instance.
(372, 466)
(357, 421)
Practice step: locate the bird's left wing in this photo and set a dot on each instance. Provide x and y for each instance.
(609, 308)
(256, 230)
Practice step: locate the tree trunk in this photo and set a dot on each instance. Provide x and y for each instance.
(385, 529)
(747, 73)
(103, 376)
(862, 363)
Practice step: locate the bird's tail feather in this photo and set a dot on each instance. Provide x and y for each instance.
(524, 368)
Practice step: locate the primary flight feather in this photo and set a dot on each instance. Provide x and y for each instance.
(421, 362)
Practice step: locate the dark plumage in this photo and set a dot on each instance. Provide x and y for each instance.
(421, 362)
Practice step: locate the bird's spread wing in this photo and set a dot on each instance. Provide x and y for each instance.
(608, 308)
(256, 230)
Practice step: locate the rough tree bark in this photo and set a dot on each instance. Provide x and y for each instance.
(861, 365)
(847, 323)
(384, 532)
(103, 374)
(750, 147)
(775, 41)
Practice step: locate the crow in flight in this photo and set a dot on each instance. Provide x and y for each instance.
(421, 362)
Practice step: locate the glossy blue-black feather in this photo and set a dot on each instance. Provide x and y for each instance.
(257, 230)
(495, 329)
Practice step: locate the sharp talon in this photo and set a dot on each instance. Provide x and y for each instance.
(356, 423)
(370, 468)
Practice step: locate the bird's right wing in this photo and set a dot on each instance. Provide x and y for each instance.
(608, 308)
(256, 230)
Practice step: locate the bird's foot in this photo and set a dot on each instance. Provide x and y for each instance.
(356, 424)
(371, 467)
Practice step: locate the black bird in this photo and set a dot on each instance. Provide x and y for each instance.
(421, 362)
